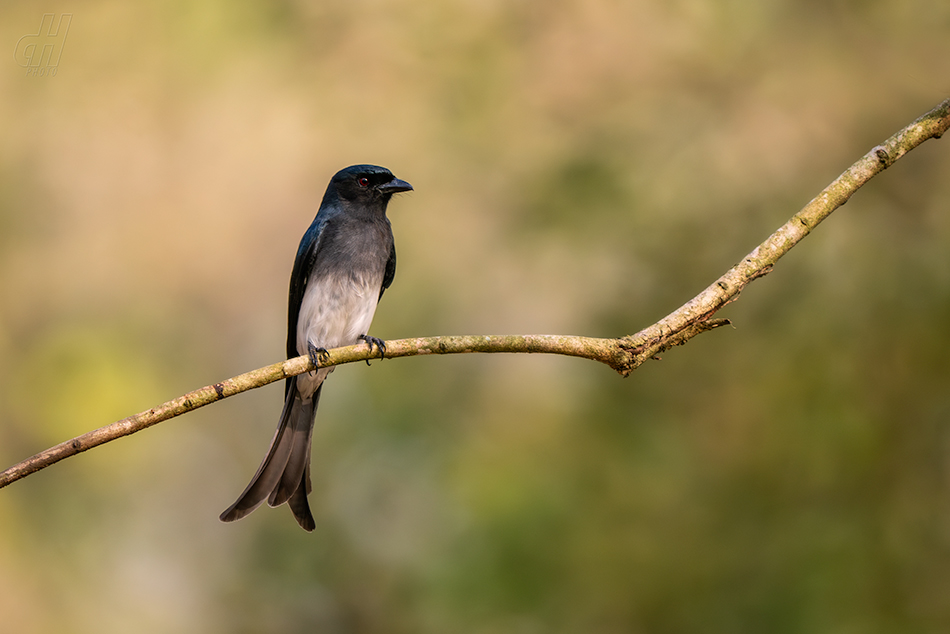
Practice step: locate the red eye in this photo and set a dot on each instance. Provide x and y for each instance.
(363, 181)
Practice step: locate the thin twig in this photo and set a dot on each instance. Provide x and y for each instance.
(623, 355)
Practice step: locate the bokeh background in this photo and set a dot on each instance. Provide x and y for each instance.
(581, 167)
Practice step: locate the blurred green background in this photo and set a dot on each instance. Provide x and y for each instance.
(581, 167)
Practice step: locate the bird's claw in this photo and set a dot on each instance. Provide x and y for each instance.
(375, 341)
(316, 354)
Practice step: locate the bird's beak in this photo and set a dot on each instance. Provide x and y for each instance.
(395, 185)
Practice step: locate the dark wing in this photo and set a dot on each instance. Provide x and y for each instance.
(303, 265)
(390, 270)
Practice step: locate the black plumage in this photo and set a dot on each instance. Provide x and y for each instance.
(345, 261)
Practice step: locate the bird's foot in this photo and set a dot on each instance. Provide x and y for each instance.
(316, 354)
(374, 341)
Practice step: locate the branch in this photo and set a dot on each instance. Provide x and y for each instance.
(623, 355)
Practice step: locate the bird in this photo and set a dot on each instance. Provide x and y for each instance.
(345, 262)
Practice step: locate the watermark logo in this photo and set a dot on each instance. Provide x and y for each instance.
(39, 54)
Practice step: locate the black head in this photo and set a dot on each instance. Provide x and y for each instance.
(366, 184)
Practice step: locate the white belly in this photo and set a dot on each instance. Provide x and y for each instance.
(334, 312)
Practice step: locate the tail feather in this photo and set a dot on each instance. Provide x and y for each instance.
(301, 427)
(287, 460)
(298, 501)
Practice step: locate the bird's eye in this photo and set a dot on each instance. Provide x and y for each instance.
(363, 181)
